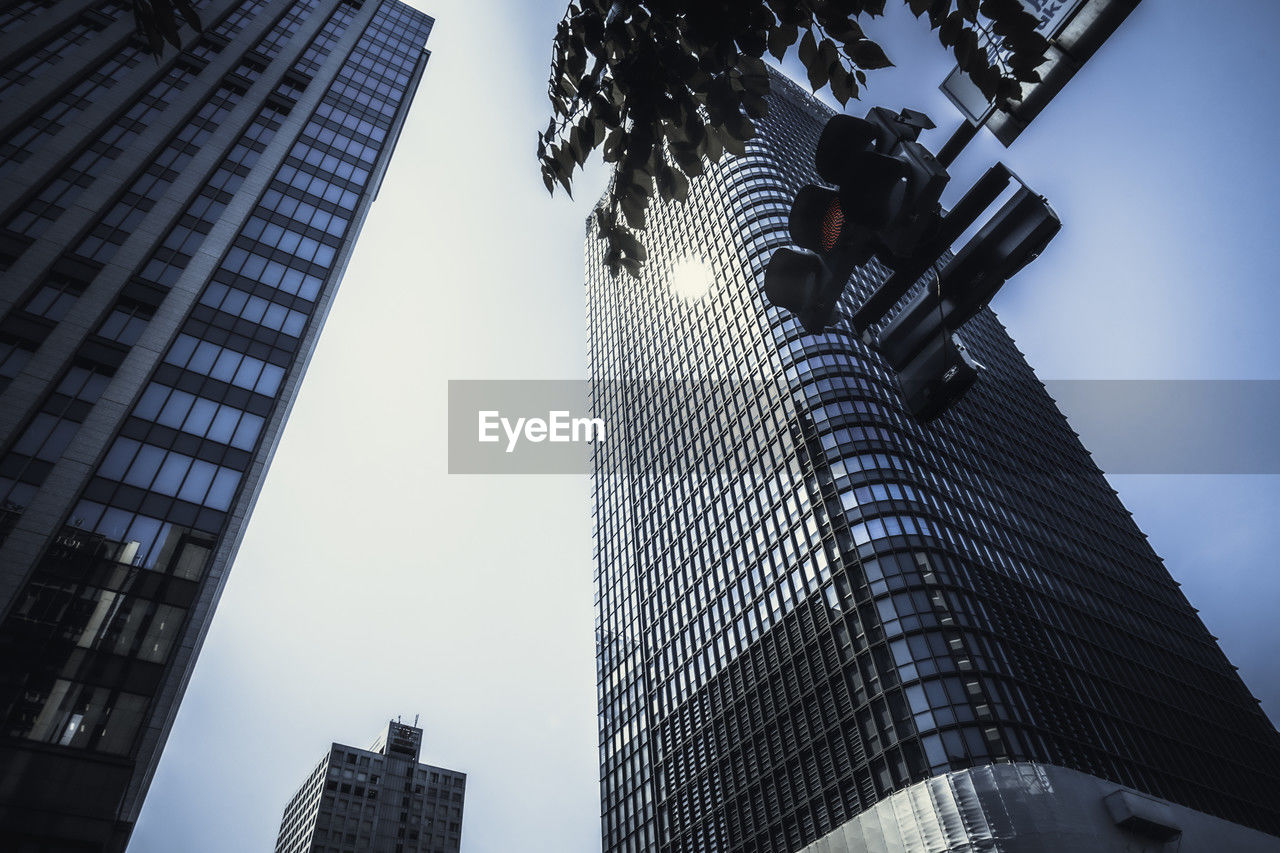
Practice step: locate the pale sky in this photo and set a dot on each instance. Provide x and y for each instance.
(372, 584)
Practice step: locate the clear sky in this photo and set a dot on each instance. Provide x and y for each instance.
(372, 584)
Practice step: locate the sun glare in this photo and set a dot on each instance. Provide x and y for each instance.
(692, 277)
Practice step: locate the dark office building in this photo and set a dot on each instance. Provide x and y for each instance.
(376, 800)
(824, 626)
(172, 234)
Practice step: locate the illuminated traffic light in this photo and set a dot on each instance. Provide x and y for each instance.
(884, 202)
(888, 182)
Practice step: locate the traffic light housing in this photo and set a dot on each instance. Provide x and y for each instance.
(884, 202)
(888, 181)
(934, 369)
(1013, 238)
(937, 377)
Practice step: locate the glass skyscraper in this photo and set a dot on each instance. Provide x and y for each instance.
(172, 234)
(822, 625)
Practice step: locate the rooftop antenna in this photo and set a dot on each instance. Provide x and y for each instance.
(415, 721)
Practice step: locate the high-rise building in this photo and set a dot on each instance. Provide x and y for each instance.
(172, 233)
(376, 800)
(825, 626)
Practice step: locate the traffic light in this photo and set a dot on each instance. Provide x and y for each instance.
(933, 367)
(884, 204)
(888, 181)
(808, 281)
(1013, 238)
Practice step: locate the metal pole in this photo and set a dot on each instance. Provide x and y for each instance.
(965, 212)
(963, 135)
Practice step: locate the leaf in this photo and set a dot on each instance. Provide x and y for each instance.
(733, 145)
(842, 86)
(986, 79)
(632, 266)
(612, 255)
(919, 7)
(714, 148)
(694, 130)
(818, 75)
(665, 179)
(755, 76)
(752, 42)
(189, 14)
(756, 106)
(639, 183)
(1009, 89)
(1027, 44)
(633, 213)
(790, 12)
(782, 37)
(867, 54)
(966, 49)
(739, 127)
(587, 131)
(686, 157)
(613, 146)
(952, 28)
(845, 30)
(145, 21)
(680, 186)
(627, 242)
(565, 158)
(997, 9)
(157, 22)
(604, 110)
(808, 49)
(828, 55)
(1026, 75)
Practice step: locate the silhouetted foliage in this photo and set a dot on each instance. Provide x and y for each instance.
(157, 22)
(657, 85)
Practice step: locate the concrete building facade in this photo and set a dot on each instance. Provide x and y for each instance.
(376, 800)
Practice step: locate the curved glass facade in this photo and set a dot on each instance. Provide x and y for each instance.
(808, 601)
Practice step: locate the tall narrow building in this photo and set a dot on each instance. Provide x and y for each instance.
(376, 800)
(824, 626)
(172, 233)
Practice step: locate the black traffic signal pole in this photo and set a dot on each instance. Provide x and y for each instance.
(952, 147)
(966, 211)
